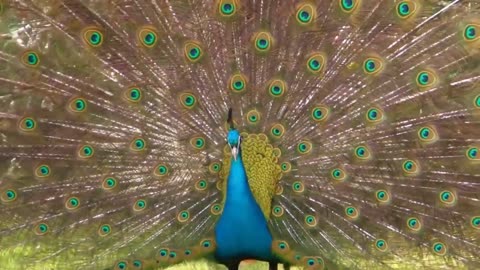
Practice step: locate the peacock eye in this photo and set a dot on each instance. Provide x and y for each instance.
(439, 248)
(30, 58)
(92, 36)
(263, 42)
(147, 36)
(305, 14)
(373, 66)
(193, 51)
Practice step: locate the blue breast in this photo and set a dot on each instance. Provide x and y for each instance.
(241, 232)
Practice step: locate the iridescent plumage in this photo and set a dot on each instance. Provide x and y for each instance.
(354, 142)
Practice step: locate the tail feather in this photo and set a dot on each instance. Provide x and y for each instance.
(113, 117)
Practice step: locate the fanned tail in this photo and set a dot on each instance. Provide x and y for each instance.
(113, 117)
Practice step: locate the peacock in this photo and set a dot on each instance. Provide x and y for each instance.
(320, 134)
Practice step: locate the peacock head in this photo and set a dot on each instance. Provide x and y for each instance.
(233, 137)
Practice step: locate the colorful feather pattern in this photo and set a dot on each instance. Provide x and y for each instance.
(353, 144)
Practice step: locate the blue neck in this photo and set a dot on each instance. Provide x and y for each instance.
(242, 231)
(238, 189)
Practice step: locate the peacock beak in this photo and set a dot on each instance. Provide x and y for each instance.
(235, 149)
(234, 152)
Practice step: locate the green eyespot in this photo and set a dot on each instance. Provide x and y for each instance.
(85, 151)
(216, 209)
(382, 196)
(304, 147)
(277, 211)
(313, 263)
(362, 152)
(374, 115)
(427, 134)
(414, 224)
(277, 88)
(406, 9)
(286, 167)
(104, 230)
(472, 154)
(277, 131)
(348, 6)
(262, 42)
(448, 198)
(439, 248)
(8, 195)
(163, 252)
(338, 174)
(188, 100)
(320, 113)
(475, 222)
(133, 94)
(42, 171)
(41, 229)
(306, 14)
(139, 205)
(138, 144)
(410, 167)
(193, 51)
(381, 245)
(352, 212)
(30, 59)
(92, 36)
(109, 183)
(198, 143)
(476, 102)
(280, 247)
(470, 36)
(137, 264)
(207, 244)
(161, 170)
(426, 79)
(316, 63)
(423, 78)
(27, 124)
(183, 216)
(238, 83)
(72, 203)
(77, 105)
(147, 36)
(253, 117)
(298, 187)
(121, 265)
(470, 32)
(227, 8)
(310, 221)
(215, 167)
(372, 65)
(172, 254)
(201, 184)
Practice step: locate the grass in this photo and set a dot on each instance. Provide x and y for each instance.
(206, 265)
